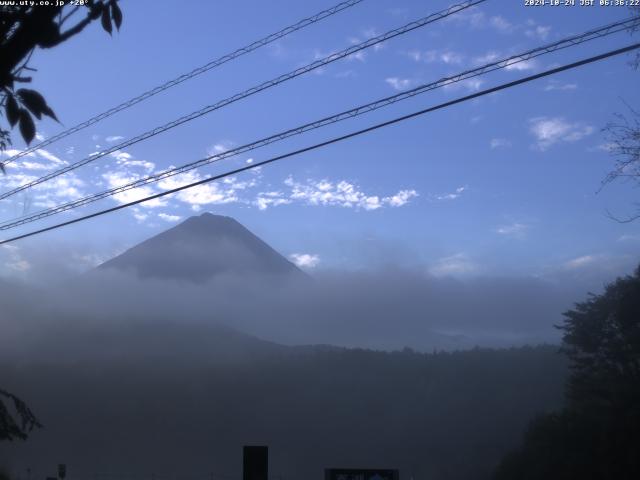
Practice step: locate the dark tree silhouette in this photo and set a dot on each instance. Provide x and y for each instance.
(10, 427)
(597, 435)
(624, 144)
(602, 340)
(24, 28)
(635, 10)
(624, 141)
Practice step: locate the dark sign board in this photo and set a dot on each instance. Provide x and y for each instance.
(359, 474)
(255, 463)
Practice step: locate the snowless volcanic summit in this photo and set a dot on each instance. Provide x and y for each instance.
(200, 248)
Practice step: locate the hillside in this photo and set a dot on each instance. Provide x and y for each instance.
(182, 401)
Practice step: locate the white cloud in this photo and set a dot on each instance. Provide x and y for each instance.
(514, 64)
(476, 18)
(40, 159)
(29, 167)
(451, 58)
(454, 265)
(265, 200)
(401, 198)
(606, 147)
(515, 230)
(399, 83)
(15, 262)
(540, 32)
(346, 74)
(501, 24)
(581, 262)
(169, 218)
(208, 194)
(520, 65)
(367, 33)
(327, 193)
(121, 156)
(500, 143)
(472, 17)
(450, 196)
(219, 147)
(488, 57)
(139, 215)
(125, 159)
(555, 85)
(629, 238)
(448, 57)
(470, 84)
(360, 56)
(549, 131)
(215, 193)
(120, 178)
(114, 138)
(398, 12)
(91, 260)
(415, 55)
(305, 260)
(277, 49)
(50, 156)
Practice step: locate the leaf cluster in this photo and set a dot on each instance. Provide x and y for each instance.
(24, 28)
(17, 424)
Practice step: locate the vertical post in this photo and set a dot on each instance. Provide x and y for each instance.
(255, 463)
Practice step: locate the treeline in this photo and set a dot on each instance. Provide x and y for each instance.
(181, 400)
(596, 435)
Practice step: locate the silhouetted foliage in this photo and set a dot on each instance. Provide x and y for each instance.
(623, 136)
(597, 435)
(23, 28)
(635, 10)
(16, 425)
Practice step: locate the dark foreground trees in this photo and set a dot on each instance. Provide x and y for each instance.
(597, 435)
(16, 418)
(23, 28)
(624, 141)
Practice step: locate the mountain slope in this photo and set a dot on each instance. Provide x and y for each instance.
(149, 404)
(200, 248)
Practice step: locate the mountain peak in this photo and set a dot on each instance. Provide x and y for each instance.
(201, 248)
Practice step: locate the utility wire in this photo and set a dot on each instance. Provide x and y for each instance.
(193, 73)
(253, 90)
(360, 110)
(316, 146)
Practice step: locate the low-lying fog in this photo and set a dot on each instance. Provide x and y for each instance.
(387, 309)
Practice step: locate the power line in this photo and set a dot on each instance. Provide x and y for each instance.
(193, 73)
(253, 90)
(360, 110)
(316, 146)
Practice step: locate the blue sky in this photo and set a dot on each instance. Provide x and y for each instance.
(503, 185)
